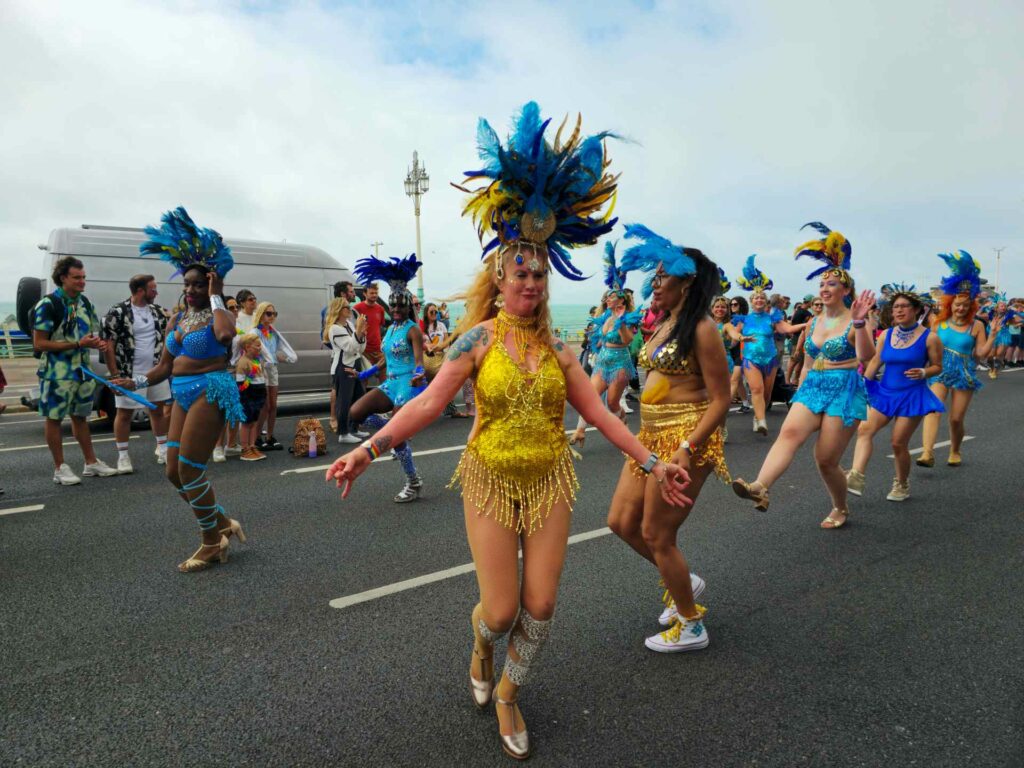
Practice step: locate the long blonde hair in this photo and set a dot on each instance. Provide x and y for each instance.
(333, 314)
(482, 292)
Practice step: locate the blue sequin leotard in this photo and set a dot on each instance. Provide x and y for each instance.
(833, 391)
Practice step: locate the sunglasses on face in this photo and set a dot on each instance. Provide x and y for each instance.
(233, 307)
(270, 313)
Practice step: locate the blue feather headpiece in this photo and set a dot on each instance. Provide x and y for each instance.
(654, 250)
(614, 275)
(964, 277)
(180, 242)
(395, 272)
(833, 250)
(753, 279)
(723, 282)
(892, 290)
(536, 192)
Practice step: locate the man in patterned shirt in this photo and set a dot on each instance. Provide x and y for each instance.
(135, 330)
(64, 329)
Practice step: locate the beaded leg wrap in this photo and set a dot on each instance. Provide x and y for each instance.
(487, 633)
(202, 485)
(375, 421)
(528, 635)
(404, 457)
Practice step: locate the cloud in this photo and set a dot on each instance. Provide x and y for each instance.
(894, 123)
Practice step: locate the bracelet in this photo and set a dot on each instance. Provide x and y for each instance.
(649, 465)
(217, 302)
(371, 449)
(417, 371)
(859, 323)
(140, 380)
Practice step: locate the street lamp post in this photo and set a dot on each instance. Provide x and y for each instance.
(999, 253)
(417, 183)
(376, 247)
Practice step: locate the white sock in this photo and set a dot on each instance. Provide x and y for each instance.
(122, 450)
(161, 443)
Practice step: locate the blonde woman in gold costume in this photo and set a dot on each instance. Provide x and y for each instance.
(517, 478)
(682, 412)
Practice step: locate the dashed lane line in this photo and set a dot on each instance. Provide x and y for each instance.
(430, 578)
(16, 510)
(943, 444)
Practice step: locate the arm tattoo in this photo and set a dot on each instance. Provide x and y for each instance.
(383, 443)
(559, 346)
(467, 341)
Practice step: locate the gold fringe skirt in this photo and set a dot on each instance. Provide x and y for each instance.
(513, 502)
(663, 426)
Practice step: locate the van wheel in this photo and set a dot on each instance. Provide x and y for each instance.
(30, 291)
(105, 407)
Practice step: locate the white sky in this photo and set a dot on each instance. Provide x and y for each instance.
(897, 123)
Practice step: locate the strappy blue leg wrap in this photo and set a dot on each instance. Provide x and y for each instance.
(376, 421)
(404, 457)
(209, 522)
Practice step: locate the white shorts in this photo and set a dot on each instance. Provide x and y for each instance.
(158, 393)
(272, 375)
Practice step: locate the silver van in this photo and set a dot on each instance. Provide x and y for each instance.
(297, 279)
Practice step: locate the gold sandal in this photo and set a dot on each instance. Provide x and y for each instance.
(234, 529)
(830, 523)
(194, 564)
(578, 437)
(926, 460)
(516, 744)
(745, 490)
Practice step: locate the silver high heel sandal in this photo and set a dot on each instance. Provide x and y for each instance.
(517, 744)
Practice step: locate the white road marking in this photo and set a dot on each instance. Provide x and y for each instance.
(16, 510)
(943, 444)
(430, 578)
(389, 457)
(65, 443)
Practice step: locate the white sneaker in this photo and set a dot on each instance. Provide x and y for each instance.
(360, 434)
(855, 482)
(900, 491)
(683, 635)
(762, 427)
(625, 406)
(351, 439)
(218, 455)
(233, 450)
(124, 465)
(161, 454)
(697, 584)
(64, 476)
(99, 468)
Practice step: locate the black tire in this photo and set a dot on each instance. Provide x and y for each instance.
(104, 401)
(30, 290)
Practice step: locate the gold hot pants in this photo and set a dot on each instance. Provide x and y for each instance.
(664, 426)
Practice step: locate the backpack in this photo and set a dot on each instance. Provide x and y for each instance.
(303, 430)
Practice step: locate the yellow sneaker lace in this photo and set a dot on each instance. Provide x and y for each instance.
(671, 635)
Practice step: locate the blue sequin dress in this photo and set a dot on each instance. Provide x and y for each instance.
(610, 360)
(401, 364)
(760, 351)
(958, 364)
(836, 392)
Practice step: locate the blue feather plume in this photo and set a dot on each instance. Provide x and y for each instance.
(723, 281)
(182, 243)
(833, 250)
(753, 278)
(614, 276)
(652, 251)
(395, 272)
(965, 274)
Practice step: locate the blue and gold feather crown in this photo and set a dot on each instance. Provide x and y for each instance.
(181, 243)
(395, 272)
(614, 275)
(651, 251)
(753, 279)
(964, 277)
(537, 192)
(833, 250)
(723, 282)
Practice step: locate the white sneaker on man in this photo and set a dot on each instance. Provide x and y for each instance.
(98, 468)
(218, 454)
(683, 635)
(161, 454)
(351, 439)
(124, 465)
(697, 584)
(233, 450)
(64, 476)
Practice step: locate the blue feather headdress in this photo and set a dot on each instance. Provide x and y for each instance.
(395, 272)
(180, 242)
(833, 250)
(964, 277)
(536, 192)
(892, 290)
(723, 281)
(753, 279)
(654, 250)
(614, 275)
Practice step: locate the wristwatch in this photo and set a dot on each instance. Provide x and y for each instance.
(649, 465)
(685, 445)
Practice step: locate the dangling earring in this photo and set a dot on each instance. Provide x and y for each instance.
(499, 301)
(499, 267)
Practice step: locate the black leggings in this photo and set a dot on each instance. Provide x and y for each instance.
(347, 390)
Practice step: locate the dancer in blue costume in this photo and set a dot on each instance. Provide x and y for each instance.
(402, 346)
(613, 333)
(758, 329)
(911, 354)
(204, 391)
(964, 342)
(1000, 317)
(831, 401)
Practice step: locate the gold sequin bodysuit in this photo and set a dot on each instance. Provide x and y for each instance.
(517, 465)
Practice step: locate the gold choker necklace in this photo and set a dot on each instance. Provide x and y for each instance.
(524, 333)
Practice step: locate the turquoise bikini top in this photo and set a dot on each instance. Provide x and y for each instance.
(838, 349)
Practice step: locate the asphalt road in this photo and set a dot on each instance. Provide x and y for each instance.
(895, 641)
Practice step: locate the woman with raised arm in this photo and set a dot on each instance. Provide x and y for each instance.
(964, 342)
(910, 354)
(682, 411)
(758, 329)
(539, 200)
(613, 333)
(831, 400)
(204, 390)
